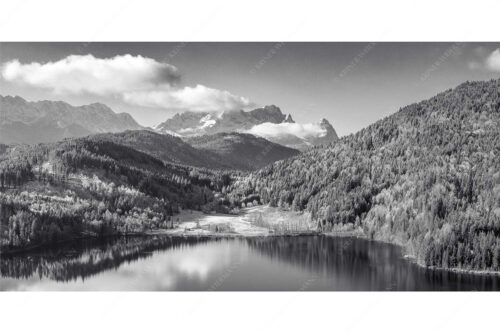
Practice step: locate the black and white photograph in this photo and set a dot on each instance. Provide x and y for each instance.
(332, 166)
(164, 166)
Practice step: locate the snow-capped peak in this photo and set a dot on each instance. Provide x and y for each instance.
(207, 121)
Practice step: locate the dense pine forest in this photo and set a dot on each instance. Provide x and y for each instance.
(426, 177)
(91, 186)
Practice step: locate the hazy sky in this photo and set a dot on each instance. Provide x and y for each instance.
(350, 84)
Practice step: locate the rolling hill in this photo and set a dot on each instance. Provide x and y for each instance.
(218, 151)
(244, 150)
(167, 148)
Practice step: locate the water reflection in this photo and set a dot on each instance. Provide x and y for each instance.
(357, 264)
(276, 263)
(85, 258)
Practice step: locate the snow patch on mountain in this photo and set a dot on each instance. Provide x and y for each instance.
(268, 122)
(207, 121)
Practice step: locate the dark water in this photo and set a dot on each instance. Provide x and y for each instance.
(279, 263)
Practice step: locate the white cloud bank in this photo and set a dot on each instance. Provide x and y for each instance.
(303, 131)
(85, 73)
(493, 61)
(136, 80)
(197, 99)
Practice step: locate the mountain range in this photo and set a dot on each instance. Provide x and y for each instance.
(268, 122)
(47, 121)
(27, 122)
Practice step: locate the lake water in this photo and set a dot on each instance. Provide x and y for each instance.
(305, 263)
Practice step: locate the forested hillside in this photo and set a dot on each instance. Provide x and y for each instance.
(244, 151)
(426, 177)
(217, 151)
(90, 186)
(167, 148)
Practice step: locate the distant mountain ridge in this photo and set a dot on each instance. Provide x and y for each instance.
(219, 151)
(164, 147)
(27, 122)
(198, 123)
(46, 121)
(189, 124)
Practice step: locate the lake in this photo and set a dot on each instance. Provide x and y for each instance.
(156, 263)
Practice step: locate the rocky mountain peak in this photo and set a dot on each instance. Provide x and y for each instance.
(324, 121)
(289, 119)
(188, 124)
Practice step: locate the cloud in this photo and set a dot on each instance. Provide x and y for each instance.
(85, 73)
(198, 99)
(270, 130)
(493, 61)
(485, 61)
(136, 80)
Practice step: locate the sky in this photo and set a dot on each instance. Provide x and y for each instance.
(350, 84)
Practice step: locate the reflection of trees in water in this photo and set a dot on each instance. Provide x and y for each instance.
(365, 265)
(326, 254)
(349, 263)
(85, 258)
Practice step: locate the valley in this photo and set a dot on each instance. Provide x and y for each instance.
(425, 178)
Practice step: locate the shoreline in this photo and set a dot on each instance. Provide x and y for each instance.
(195, 224)
(458, 270)
(158, 232)
(411, 258)
(191, 224)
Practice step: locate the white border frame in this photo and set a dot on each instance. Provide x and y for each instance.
(258, 20)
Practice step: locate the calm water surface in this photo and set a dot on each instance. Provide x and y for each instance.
(305, 263)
